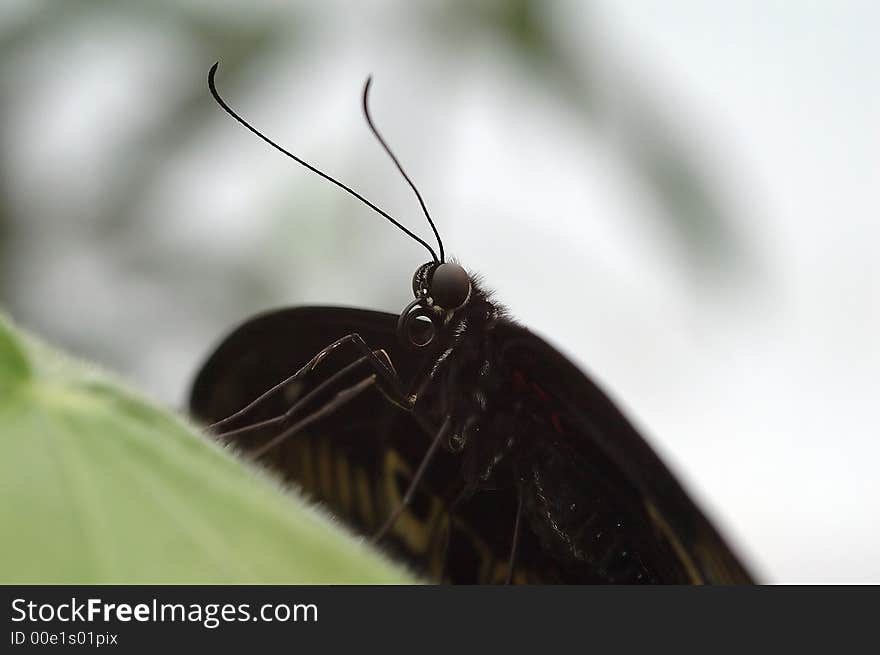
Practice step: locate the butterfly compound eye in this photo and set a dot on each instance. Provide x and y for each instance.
(450, 286)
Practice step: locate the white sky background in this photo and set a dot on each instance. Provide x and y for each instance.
(763, 395)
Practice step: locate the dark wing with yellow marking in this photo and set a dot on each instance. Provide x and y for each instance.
(359, 461)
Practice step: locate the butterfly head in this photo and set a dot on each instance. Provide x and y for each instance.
(443, 286)
(439, 290)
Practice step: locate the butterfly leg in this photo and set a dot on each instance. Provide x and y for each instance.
(390, 387)
(515, 542)
(465, 493)
(414, 483)
(297, 406)
(341, 397)
(385, 369)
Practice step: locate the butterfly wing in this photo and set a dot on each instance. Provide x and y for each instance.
(604, 449)
(359, 460)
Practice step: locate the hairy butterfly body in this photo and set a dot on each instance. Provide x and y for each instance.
(471, 447)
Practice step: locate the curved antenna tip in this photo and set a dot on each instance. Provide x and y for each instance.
(388, 151)
(211, 74)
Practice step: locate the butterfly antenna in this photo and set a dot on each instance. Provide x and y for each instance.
(397, 163)
(327, 177)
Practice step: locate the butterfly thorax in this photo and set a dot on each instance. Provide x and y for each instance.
(465, 384)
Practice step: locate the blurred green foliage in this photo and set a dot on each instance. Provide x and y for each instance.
(101, 487)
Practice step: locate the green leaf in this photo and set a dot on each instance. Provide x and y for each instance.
(101, 486)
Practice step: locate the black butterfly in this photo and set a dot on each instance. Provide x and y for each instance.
(472, 448)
